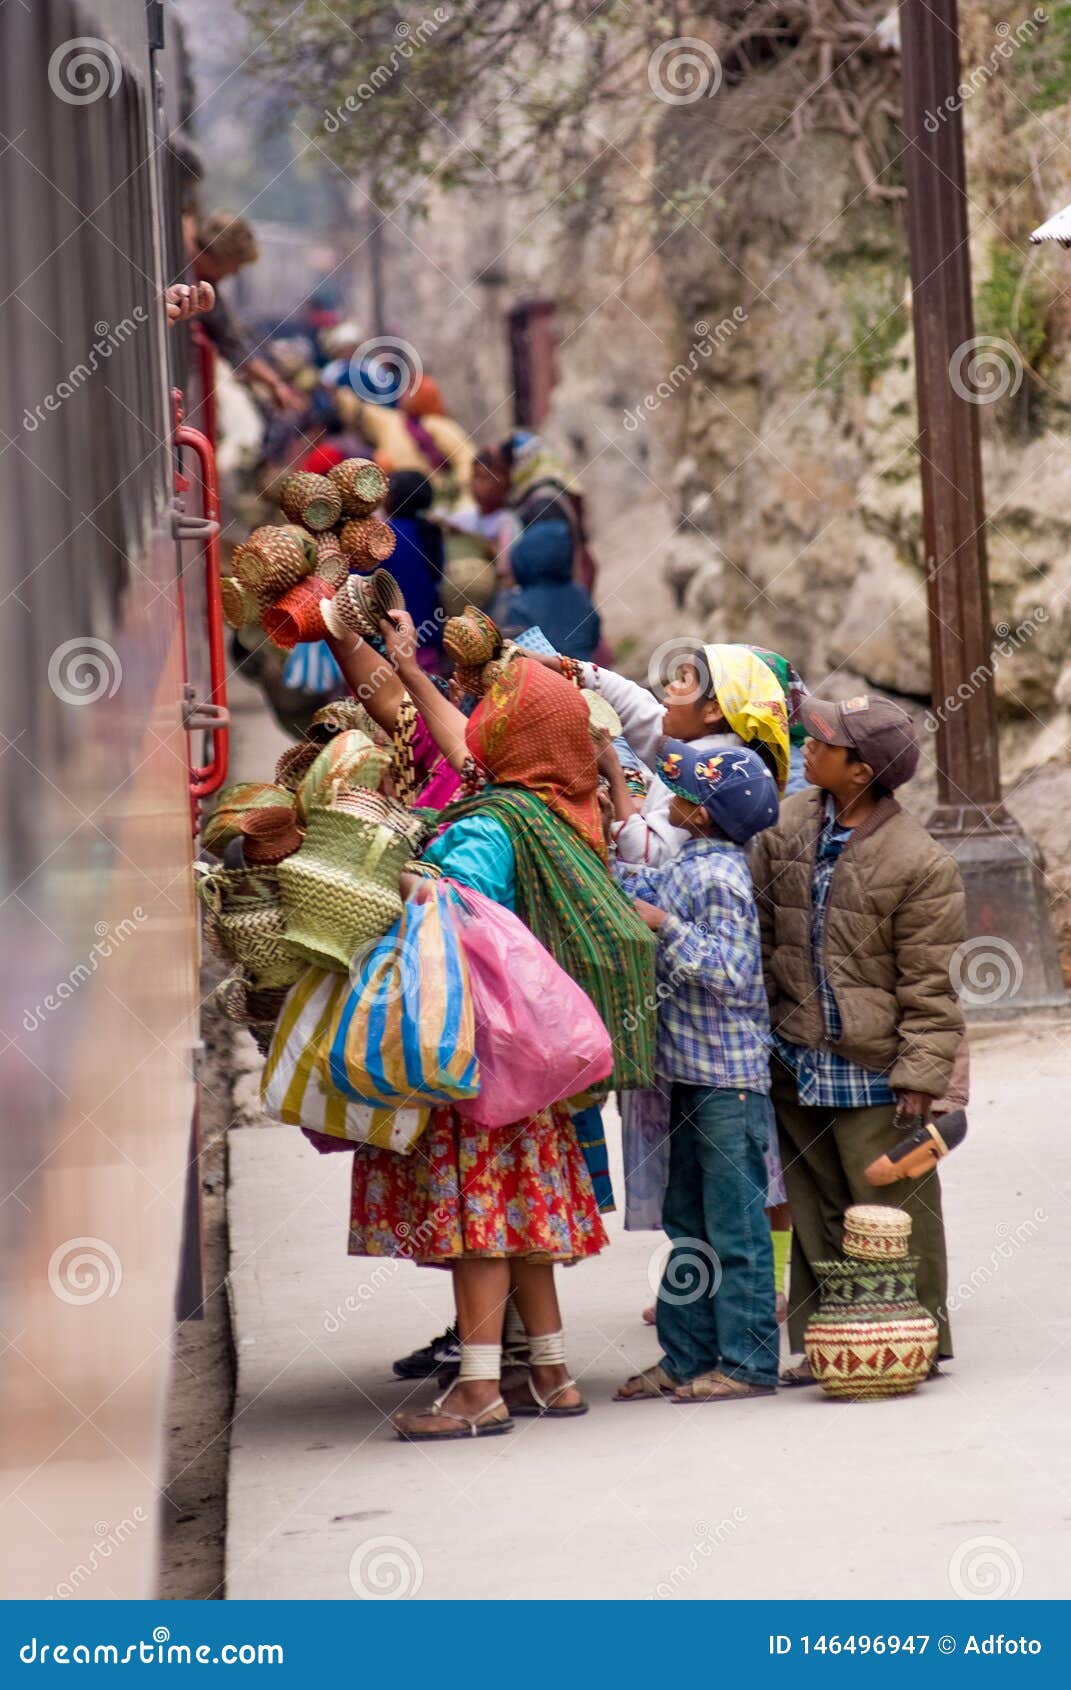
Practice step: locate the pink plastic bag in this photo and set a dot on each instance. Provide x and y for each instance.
(539, 1037)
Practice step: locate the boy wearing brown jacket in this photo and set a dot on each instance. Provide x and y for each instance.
(861, 911)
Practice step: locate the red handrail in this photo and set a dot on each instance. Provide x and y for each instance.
(210, 777)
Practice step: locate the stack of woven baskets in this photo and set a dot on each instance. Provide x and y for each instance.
(309, 865)
(283, 572)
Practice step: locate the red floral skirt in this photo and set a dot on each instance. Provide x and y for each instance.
(466, 1190)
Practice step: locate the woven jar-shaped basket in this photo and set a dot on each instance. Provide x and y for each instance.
(366, 541)
(247, 922)
(270, 836)
(296, 616)
(235, 802)
(239, 605)
(271, 561)
(361, 603)
(307, 542)
(312, 500)
(331, 565)
(473, 641)
(340, 891)
(361, 483)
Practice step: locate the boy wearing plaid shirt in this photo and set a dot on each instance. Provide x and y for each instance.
(716, 1313)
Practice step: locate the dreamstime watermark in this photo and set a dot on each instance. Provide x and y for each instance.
(683, 1270)
(668, 985)
(985, 970)
(684, 70)
(1008, 641)
(384, 671)
(84, 669)
(707, 1540)
(410, 38)
(704, 346)
(384, 369)
(385, 1569)
(83, 1270)
(1009, 40)
(984, 1568)
(1010, 1239)
(410, 1243)
(108, 940)
(83, 70)
(109, 339)
(107, 1539)
(985, 369)
(680, 663)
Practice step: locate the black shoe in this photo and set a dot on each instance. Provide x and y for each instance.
(425, 1363)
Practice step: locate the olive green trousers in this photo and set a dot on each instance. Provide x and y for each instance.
(824, 1153)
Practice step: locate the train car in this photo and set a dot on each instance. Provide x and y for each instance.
(107, 688)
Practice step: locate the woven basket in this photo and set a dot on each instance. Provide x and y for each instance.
(331, 565)
(602, 717)
(362, 602)
(271, 561)
(247, 923)
(240, 606)
(234, 803)
(296, 616)
(874, 1232)
(307, 542)
(367, 541)
(270, 836)
(241, 1001)
(312, 500)
(361, 484)
(295, 763)
(349, 760)
(340, 891)
(338, 717)
(473, 641)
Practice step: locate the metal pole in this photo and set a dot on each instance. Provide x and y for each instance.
(1002, 869)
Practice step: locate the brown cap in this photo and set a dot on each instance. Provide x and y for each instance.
(882, 733)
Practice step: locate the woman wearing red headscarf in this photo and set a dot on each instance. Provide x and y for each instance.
(500, 1206)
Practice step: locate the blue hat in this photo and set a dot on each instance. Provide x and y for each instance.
(734, 786)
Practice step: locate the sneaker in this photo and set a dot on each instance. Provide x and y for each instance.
(425, 1363)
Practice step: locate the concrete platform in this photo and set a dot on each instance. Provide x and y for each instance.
(962, 1489)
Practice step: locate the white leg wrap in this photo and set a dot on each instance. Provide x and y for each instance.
(547, 1349)
(480, 1361)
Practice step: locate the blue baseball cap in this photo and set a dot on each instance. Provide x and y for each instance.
(734, 786)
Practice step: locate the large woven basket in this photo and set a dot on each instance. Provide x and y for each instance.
(361, 483)
(247, 924)
(340, 891)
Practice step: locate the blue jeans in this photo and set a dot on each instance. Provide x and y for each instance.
(716, 1301)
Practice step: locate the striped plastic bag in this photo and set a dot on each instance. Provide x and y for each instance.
(294, 1087)
(404, 1032)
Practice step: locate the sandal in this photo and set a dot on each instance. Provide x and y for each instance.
(796, 1375)
(468, 1425)
(546, 1408)
(718, 1387)
(652, 1382)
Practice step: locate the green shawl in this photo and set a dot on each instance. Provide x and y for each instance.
(583, 918)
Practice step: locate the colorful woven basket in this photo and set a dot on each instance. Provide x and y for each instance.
(297, 617)
(233, 804)
(311, 500)
(361, 484)
(875, 1232)
(340, 891)
(247, 923)
(295, 763)
(366, 541)
(473, 641)
(271, 561)
(351, 759)
(240, 606)
(361, 603)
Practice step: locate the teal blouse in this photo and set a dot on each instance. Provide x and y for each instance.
(477, 851)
